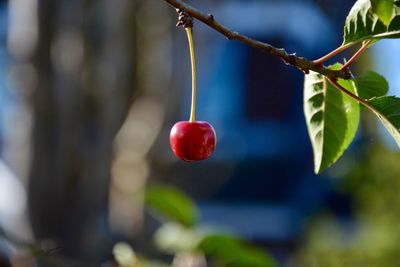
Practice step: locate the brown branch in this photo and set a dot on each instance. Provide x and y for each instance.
(333, 53)
(290, 59)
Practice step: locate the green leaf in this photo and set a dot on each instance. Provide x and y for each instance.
(332, 118)
(384, 9)
(387, 108)
(370, 85)
(363, 23)
(234, 252)
(172, 204)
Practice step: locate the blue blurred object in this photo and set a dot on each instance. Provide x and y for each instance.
(6, 99)
(12, 192)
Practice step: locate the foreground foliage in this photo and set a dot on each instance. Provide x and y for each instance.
(332, 116)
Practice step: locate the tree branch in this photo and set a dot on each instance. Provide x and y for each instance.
(290, 59)
(357, 54)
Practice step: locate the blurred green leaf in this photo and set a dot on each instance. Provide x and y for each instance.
(387, 108)
(384, 9)
(234, 252)
(332, 118)
(363, 24)
(371, 85)
(172, 204)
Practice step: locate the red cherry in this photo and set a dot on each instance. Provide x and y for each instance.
(192, 141)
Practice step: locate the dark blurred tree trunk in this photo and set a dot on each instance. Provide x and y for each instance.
(85, 63)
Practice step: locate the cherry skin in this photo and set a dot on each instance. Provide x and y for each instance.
(192, 141)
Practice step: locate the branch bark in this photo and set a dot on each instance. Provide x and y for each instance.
(300, 63)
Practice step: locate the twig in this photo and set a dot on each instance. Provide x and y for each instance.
(355, 97)
(360, 100)
(356, 54)
(290, 59)
(333, 53)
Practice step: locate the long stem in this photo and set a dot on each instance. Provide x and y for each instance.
(333, 53)
(191, 48)
(357, 54)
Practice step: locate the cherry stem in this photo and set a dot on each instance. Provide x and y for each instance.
(191, 48)
(333, 53)
(364, 46)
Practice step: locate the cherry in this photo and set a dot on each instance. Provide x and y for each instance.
(192, 141)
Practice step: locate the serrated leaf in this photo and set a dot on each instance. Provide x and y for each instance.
(234, 252)
(363, 24)
(172, 204)
(332, 118)
(387, 108)
(384, 9)
(371, 84)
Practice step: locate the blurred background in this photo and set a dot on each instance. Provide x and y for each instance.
(90, 89)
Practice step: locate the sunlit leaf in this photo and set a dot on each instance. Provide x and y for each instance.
(384, 9)
(363, 23)
(234, 252)
(371, 84)
(332, 118)
(387, 108)
(172, 204)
